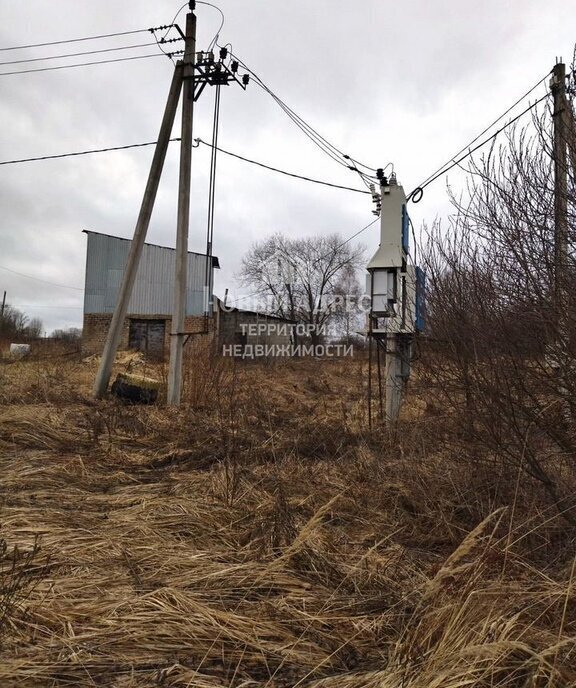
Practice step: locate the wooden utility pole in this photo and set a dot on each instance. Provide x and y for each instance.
(558, 88)
(571, 127)
(181, 276)
(3, 306)
(117, 324)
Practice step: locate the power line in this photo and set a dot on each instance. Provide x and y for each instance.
(266, 291)
(168, 28)
(333, 250)
(250, 296)
(37, 279)
(316, 138)
(88, 52)
(214, 41)
(84, 64)
(152, 143)
(42, 305)
(486, 129)
(420, 189)
(172, 23)
(86, 38)
(357, 233)
(321, 142)
(275, 169)
(85, 152)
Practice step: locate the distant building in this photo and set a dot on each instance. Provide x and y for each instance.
(149, 320)
(247, 328)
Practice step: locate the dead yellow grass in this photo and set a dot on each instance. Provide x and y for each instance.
(260, 536)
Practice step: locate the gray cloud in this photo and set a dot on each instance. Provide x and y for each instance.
(409, 82)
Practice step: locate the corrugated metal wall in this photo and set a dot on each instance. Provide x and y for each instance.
(152, 293)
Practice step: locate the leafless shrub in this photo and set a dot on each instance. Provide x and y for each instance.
(503, 335)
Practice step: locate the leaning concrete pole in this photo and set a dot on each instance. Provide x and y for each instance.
(116, 326)
(181, 276)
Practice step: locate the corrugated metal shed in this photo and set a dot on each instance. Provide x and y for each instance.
(154, 285)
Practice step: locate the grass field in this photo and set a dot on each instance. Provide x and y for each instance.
(262, 535)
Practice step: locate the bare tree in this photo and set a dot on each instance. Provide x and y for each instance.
(13, 322)
(348, 292)
(503, 350)
(34, 328)
(299, 276)
(72, 334)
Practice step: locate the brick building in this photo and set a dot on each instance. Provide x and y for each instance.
(148, 324)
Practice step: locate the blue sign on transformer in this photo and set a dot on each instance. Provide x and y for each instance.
(405, 230)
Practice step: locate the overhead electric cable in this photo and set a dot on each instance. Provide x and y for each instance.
(88, 52)
(214, 41)
(325, 145)
(250, 296)
(42, 305)
(211, 203)
(275, 169)
(172, 23)
(84, 64)
(419, 189)
(308, 131)
(37, 279)
(85, 152)
(333, 250)
(168, 28)
(199, 141)
(487, 128)
(76, 40)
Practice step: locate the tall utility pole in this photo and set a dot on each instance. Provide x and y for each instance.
(3, 306)
(181, 276)
(558, 88)
(117, 324)
(571, 130)
(191, 76)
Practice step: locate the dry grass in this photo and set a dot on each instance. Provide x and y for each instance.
(260, 536)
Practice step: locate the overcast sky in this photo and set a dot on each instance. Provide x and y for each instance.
(409, 82)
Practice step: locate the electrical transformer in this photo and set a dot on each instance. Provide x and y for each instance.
(396, 289)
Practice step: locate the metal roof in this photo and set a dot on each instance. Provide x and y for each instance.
(152, 293)
(215, 261)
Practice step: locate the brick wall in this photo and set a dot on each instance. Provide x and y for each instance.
(96, 327)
